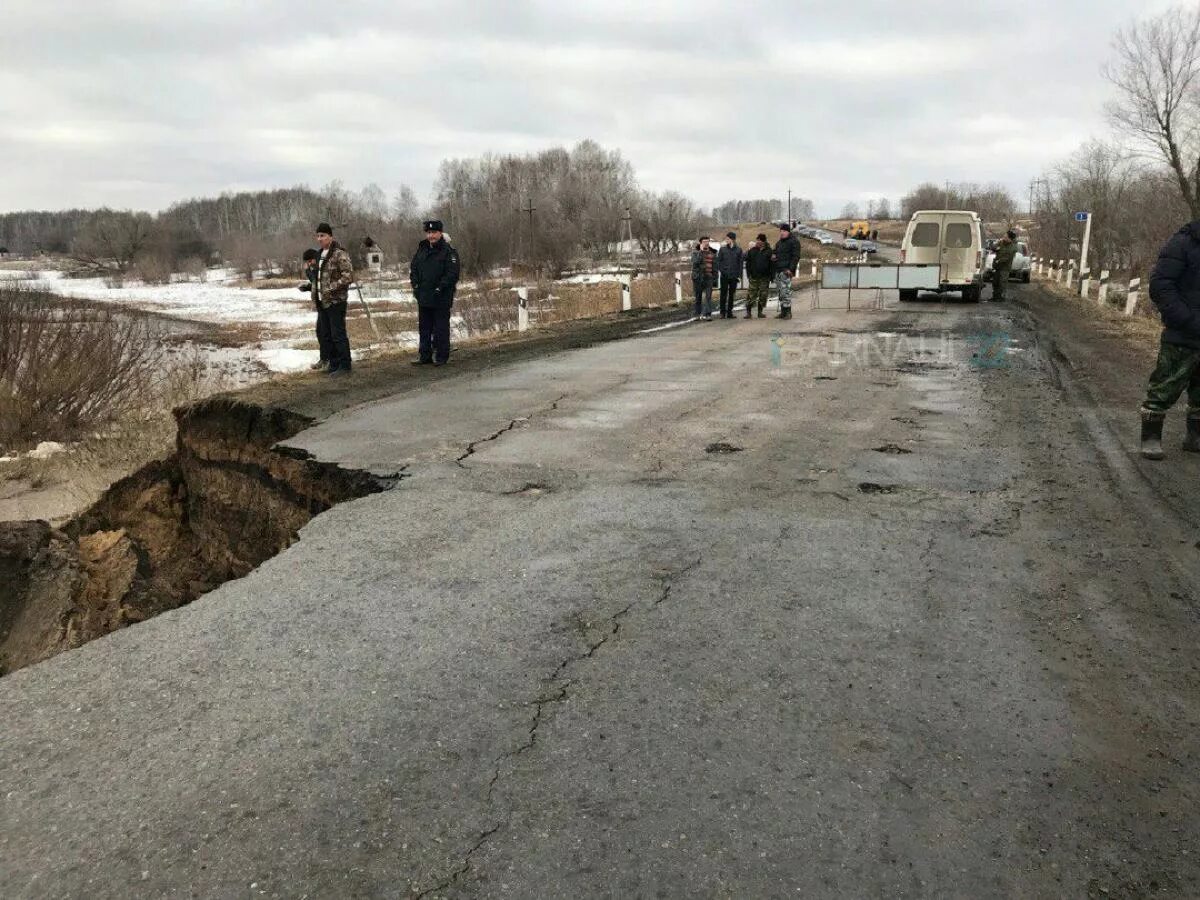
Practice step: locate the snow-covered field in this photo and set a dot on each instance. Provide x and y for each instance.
(285, 341)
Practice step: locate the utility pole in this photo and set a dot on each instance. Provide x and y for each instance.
(530, 209)
(789, 216)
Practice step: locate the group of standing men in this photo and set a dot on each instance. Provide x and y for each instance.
(433, 274)
(723, 269)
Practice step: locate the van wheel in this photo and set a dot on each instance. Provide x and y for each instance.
(907, 296)
(972, 294)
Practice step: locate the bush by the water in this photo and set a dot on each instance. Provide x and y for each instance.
(67, 369)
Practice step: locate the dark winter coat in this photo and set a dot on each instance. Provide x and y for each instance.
(758, 262)
(1175, 287)
(730, 261)
(787, 254)
(701, 271)
(434, 274)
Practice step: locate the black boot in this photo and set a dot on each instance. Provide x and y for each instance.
(761, 313)
(1191, 443)
(1152, 425)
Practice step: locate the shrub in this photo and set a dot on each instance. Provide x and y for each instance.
(68, 368)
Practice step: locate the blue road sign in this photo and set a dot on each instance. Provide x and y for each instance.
(1081, 217)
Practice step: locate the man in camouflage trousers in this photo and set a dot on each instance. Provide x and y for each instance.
(759, 270)
(1002, 263)
(1175, 290)
(786, 258)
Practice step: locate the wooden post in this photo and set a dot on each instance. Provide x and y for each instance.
(1131, 299)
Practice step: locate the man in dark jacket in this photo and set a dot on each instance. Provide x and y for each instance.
(335, 274)
(1175, 290)
(434, 275)
(704, 276)
(730, 260)
(786, 259)
(1002, 263)
(759, 269)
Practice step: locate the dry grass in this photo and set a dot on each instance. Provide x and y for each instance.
(561, 302)
(1144, 327)
(655, 290)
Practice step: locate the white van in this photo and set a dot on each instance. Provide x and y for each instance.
(952, 239)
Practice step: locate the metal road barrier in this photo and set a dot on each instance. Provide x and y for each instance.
(878, 277)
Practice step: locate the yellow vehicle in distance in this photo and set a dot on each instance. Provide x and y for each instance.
(860, 230)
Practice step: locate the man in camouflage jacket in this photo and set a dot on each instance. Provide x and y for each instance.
(335, 274)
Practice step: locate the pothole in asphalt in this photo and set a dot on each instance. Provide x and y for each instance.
(723, 447)
(529, 489)
(825, 378)
(904, 420)
(891, 448)
(919, 367)
(870, 487)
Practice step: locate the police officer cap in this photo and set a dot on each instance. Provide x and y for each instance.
(434, 225)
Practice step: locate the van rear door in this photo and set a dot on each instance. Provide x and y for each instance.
(925, 241)
(959, 249)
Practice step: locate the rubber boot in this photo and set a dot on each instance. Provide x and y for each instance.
(1152, 425)
(762, 310)
(1191, 443)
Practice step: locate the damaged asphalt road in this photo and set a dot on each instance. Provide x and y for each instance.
(922, 633)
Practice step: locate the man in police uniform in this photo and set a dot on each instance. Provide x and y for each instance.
(434, 275)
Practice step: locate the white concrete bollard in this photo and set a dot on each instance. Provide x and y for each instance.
(1131, 299)
(814, 268)
(1103, 298)
(1070, 273)
(678, 287)
(626, 293)
(1085, 283)
(522, 309)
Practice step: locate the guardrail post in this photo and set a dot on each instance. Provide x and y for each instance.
(678, 287)
(1070, 273)
(814, 268)
(1103, 298)
(1131, 299)
(522, 309)
(626, 293)
(1085, 283)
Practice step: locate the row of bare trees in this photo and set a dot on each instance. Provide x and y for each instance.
(1143, 181)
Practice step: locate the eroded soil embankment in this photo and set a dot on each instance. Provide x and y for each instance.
(227, 500)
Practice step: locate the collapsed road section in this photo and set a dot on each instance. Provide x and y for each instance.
(224, 502)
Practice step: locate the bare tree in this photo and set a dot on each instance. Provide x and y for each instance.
(112, 240)
(850, 211)
(1156, 71)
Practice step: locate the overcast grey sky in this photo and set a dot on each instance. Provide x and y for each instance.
(136, 103)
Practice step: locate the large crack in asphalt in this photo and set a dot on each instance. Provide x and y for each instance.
(554, 691)
(474, 445)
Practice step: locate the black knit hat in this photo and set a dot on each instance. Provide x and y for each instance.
(784, 226)
(310, 253)
(433, 225)
(324, 228)
(731, 234)
(761, 237)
